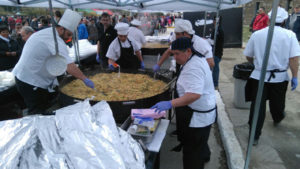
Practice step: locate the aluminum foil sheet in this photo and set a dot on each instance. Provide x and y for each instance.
(77, 137)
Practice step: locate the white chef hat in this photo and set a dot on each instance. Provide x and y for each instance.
(282, 15)
(182, 25)
(122, 28)
(136, 22)
(70, 20)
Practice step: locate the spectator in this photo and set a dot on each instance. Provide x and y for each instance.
(11, 23)
(16, 31)
(57, 16)
(93, 32)
(16, 35)
(124, 19)
(106, 34)
(19, 19)
(9, 49)
(45, 24)
(26, 32)
(34, 24)
(261, 20)
(218, 51)
(82, 31)
(293, 22)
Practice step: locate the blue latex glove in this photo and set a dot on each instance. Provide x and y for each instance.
(111, 67)
(142, 65)
(294, 83)
(156, 68)
(89, 83)
(162, 106)
(98, 59)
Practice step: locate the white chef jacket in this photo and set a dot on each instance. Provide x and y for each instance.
(114, 50)
(284, 46)
(31, 67)
(137, 35)
(196, 77)
(202, 46)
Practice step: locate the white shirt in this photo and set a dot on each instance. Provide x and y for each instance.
(284, 46)
(31, 68)
(202, 46)
(137, 35)
(196, 77)
(114, 50)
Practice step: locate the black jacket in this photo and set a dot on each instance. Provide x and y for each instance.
(105, 38)
(220, 41)
(8, 62)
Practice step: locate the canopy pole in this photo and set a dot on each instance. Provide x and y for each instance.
(261, 81)
(53, 26)
(75, 40)
(216, 26)
(204, 28)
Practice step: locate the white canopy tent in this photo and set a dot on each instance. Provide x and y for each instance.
(157, 5)
(172, 6)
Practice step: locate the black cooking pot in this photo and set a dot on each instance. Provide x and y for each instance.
(121, 109)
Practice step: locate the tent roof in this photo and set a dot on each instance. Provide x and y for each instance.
(157, 5)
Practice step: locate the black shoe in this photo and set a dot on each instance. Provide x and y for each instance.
(173, 133)
(276, 123)
(255, 142)
(207, 159)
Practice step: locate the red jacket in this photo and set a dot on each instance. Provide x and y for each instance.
(260, 22)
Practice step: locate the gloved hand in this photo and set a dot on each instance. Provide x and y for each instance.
(98, 59)
(142, 65)
(111, 67)
(162, 106)
(89, 83)
(156, 68)
(294, 83)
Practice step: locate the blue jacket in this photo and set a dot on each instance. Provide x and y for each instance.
(82, 32)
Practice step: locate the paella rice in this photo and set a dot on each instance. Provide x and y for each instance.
(111, 87)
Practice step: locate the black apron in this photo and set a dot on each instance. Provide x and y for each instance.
(250, 93)
(127, 59)
(183, 117)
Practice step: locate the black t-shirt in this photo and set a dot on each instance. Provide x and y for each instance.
(105, 38)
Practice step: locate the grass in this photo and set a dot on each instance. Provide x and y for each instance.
(246, 33)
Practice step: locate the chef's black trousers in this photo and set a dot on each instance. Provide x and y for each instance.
(275, 93)
(195, 150)
(37, 100)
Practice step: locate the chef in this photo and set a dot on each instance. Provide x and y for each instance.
(284, 54)
(184, 28)
(33, 81)
(135, 33)
(124, 51)
(195, 104)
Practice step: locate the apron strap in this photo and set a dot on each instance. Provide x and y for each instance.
(206, 111)
(272, 73)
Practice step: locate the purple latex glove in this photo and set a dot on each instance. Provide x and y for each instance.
(142, 65)
(98, 59)
(162, 106)
(294, 83)
(156, 68)
(111, 67)
(89, 83)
